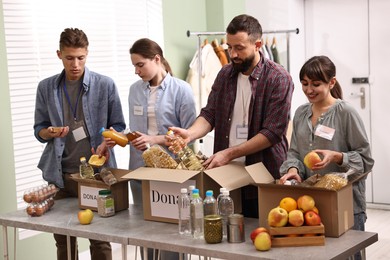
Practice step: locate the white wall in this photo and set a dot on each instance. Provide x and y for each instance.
(284, 15)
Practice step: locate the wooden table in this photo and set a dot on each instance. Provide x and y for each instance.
(129, 228)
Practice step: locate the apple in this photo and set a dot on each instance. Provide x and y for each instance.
(263, 241)
(305, 202)
(312, 218)
(296, 218)
(310, 159)
(257, 231)
(277, 217)
(85, 216)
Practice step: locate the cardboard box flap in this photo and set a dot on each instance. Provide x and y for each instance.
(259, 173)
(167, 175)
(231, 176)
(118, 173)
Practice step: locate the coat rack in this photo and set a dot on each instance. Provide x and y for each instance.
(200, 34)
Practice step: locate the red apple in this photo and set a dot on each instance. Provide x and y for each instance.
(312, 218)
(257, 231)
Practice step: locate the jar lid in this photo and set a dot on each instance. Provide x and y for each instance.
(236, 219)
(212, 217)
(104, 192)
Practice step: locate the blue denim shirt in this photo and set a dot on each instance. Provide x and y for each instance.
(101, 107)
(175, 106)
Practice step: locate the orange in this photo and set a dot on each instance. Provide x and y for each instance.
(288, 204)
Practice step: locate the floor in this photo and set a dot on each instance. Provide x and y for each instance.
(378, 221)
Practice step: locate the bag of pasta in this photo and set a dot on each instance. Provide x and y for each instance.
(156, 157)
(332, 181)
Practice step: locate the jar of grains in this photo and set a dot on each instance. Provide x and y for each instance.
(105, 202)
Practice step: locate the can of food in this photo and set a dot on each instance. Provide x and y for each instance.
(213, 229)
(235, 228)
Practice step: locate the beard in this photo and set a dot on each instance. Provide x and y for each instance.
(244, 65)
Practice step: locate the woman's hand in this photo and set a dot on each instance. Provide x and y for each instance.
(141, 142)
(292, 173)
(327, 156)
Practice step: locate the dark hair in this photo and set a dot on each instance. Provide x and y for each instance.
(73, 38)
(148, 49)
(245, 23)
(323, 69)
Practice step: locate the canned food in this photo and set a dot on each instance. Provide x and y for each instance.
(235, 228)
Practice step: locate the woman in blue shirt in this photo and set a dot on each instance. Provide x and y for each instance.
(156, 102)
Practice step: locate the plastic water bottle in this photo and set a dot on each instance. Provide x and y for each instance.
(184, 213)
(225, 208)
(190, 189)
(196, 213)
(220, 195)
(209, 204)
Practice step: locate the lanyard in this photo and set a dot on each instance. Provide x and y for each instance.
(74, 111)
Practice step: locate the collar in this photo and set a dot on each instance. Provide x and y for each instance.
(86, 79)
(256, 70)
(164, 84)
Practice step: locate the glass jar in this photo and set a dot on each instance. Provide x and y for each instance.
(105, 202)
(213, 229)
(107, 176)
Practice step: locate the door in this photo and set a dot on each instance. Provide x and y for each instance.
(379, 21)
(340, 30)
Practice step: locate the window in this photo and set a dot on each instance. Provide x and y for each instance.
(32, 31)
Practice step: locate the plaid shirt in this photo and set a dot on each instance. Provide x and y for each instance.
(269, 110)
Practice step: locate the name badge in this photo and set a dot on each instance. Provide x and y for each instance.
(242, 132)
(79, 134)
(138, 110)
(325, 132)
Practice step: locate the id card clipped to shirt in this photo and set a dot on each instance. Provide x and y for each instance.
(78, 131)
(242, 132)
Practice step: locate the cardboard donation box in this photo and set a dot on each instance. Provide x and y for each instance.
(335, 207)
(161, 187)
(88, 191)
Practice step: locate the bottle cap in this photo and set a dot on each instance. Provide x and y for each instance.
(101, 130)
(183, 190)
(191, 187)
(225, 192)
(195, 191)
(104, 192)
(222, 189)
(82, 159)
(209, 193)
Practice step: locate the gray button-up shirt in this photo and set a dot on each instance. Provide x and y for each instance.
(349, 137)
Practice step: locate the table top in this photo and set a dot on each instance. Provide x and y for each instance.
(128, 227)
